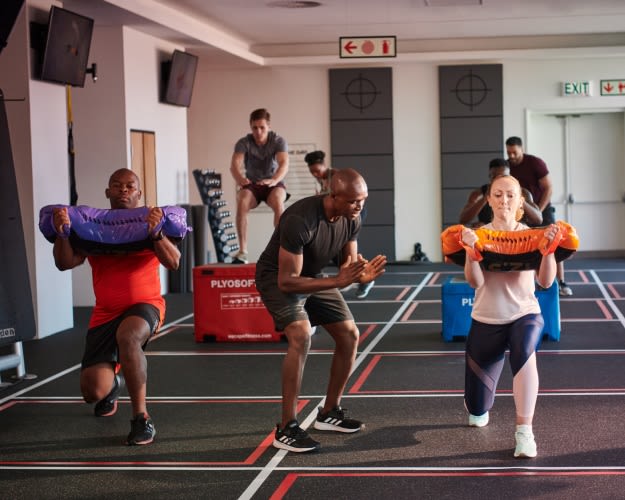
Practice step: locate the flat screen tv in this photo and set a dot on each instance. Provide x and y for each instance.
(67, 47)
(178, 78)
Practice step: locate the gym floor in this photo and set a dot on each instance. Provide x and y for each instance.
(215, 406)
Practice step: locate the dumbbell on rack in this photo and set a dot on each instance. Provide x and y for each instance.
(209, 185)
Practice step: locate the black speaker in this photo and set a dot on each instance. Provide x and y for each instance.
(9, 10)
(17, 317)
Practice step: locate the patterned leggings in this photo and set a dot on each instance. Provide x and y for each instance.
(485, 356)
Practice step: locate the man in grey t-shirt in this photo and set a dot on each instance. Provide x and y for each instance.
(259, 164)
(297, 295)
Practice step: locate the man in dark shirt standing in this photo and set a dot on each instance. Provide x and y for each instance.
(298, 296)
(533, 174)
(477, 206)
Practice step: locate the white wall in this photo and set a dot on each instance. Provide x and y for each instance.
(418, 211)
(143, 55)
(125, 98)
(298, 98)
(298, 101)
(535, 86)
(100, 138)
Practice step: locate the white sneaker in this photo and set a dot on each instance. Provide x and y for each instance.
(478, 420)
(565, 290)
(240, 258)
(364, 289)
(525, 443)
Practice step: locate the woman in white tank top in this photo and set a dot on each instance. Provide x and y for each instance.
(506, 315)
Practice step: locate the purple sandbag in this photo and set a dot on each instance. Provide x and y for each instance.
(113, 226)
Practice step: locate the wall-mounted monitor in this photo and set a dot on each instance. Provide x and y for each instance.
(178, 78)
(67, 46)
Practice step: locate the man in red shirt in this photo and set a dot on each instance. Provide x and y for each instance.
(128, 311)
(533, 175)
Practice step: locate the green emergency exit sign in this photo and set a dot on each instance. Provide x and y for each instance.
(572, 89)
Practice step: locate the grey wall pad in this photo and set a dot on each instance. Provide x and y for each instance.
(471, 127)
(361, 133)
(17, 316)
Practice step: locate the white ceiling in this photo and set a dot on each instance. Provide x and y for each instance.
(253, 30)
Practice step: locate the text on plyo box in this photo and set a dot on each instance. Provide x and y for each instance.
(233, 283)
(241, 301)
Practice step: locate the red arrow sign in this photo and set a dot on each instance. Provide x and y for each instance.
(616, 87)
(373, 46)
(349, 47)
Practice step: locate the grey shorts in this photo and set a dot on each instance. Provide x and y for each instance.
(320, 308)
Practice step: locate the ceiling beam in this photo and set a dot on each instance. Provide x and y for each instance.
(189, 26)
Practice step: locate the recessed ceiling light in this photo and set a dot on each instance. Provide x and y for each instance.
(294, 4)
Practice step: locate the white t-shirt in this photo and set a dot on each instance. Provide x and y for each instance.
(505, 296)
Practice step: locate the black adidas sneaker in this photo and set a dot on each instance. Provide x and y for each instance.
(335, 420)
(294, 438)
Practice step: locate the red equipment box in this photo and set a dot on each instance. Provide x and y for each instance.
(228, 308)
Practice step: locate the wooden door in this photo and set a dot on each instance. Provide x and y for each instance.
(143, 163)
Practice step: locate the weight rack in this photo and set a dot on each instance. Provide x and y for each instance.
(209, 185)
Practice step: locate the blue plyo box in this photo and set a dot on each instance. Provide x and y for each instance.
(457, 304)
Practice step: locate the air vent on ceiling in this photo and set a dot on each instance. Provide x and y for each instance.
(452, 3)
(293, 4)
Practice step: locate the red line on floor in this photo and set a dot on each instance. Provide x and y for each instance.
(606, 312)
(434, 279)
(409, 311)
(580, 353)
(365, 374)
(366, 333)
(541, 392)
(402, 294)
(583, 276)
(412, 391)
(614, 291)
(284, 486)
(7, 405)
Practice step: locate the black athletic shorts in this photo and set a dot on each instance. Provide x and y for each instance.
(101, 342)
(320, 308)
(261, 191)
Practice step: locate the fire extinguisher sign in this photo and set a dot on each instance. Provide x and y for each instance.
(372, 46)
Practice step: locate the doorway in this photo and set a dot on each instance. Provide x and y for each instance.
(143, 163)
(585, 154)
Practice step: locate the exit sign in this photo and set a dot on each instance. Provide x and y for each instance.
(372, 46)
(571, 89)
